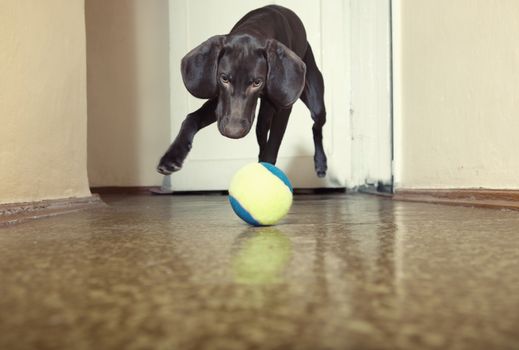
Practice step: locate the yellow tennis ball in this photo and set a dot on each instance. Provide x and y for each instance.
(260, 194)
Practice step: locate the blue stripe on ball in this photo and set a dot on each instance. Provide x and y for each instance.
(241, 212)
(277, 172)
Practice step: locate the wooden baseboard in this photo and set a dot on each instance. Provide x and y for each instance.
(143, 190)
(19, 212)
(484, 198)
(133, 190)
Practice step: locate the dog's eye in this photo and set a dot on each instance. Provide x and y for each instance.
(257, 83)
(224, 78)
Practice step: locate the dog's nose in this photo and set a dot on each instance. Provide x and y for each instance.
(234, 128)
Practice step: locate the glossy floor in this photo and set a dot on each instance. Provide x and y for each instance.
(340, 272)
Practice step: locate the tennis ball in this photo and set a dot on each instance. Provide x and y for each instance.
(260, 194)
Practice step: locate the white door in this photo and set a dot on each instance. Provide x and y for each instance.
(214, 158)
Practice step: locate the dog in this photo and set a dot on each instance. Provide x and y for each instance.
(265, 56)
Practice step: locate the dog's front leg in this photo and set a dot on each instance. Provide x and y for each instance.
(278, 126)
(265, 115)
(174, 158)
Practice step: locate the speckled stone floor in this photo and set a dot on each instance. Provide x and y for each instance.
(340, 272)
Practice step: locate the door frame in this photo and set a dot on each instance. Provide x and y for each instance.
(371, 112)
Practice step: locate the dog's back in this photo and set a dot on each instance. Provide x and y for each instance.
(274, 22)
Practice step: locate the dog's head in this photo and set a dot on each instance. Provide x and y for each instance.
(237, 69)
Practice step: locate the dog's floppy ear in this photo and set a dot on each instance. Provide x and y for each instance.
(286, 74)
(199, 68)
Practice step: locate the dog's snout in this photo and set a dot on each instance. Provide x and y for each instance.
(234, 127)
(226, 119)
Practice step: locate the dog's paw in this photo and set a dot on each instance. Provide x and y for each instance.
(166, 166)
(320, 166)
(174, 158)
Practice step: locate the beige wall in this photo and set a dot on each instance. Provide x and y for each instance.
(457, 93)
(128, 90)
(42, 100)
